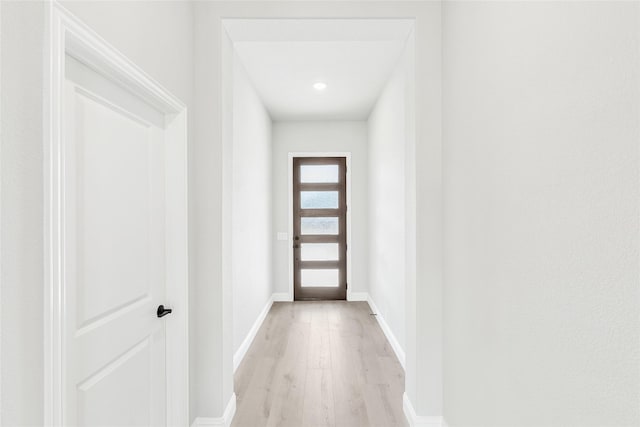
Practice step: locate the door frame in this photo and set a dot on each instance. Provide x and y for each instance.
(67, 35)
(291, 155)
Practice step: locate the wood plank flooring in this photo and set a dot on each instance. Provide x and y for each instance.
(316, 364)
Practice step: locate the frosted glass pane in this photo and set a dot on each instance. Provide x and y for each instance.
(319, 225)
(319, 252)
(319, 199)
(319, 173)
(319, 278)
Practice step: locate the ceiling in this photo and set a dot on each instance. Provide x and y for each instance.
(285, 57)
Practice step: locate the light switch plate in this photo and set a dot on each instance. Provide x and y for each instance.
(283, 236)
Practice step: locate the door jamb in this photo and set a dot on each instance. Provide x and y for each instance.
(291, 155)
(67, 35)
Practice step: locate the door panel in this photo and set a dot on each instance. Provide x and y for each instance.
(319, 199)
(119, 171)
(319, 277)
(132, 367)
(319, 252)
(319, 212)
(114, 202)
(319, 225)
(319, 173)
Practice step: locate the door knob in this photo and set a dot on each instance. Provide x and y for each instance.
(163, 311)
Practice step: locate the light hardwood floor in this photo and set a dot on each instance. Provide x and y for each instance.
(320, 363)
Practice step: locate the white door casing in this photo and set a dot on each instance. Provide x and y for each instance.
(116, 236)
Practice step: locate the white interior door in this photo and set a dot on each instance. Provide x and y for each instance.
(114, 250)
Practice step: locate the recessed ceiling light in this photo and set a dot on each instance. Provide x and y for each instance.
(320, 86)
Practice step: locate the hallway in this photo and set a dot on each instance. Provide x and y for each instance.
(162, 205)
(324, 363)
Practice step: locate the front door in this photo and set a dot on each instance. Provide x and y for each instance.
(320, 228)
(115, 234)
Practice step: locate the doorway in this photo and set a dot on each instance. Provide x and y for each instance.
(116, 348)
(305, 99)
(319, 228)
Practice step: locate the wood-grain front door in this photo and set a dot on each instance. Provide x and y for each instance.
(319, 228)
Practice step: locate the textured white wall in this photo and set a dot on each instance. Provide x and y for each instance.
(321, 137)
(21, 268)
(541, 134)
(251, 235)
(387, 140)
(212, 387)
(424, 273)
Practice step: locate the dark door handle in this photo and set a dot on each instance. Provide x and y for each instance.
(163, 311)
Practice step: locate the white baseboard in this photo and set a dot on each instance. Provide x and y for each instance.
(395, 345)
(224, 420)
(244, 347)
(357, 296)
(282, 296)
(419, 421)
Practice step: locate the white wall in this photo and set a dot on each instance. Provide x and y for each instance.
(158, 37)
(388, 133)
(251, 234)
(21, 265)
(321, 137)
(541, 126)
